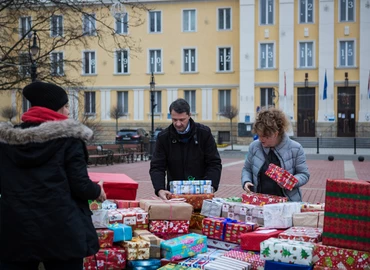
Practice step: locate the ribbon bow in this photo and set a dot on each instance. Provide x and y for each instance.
(191, 178)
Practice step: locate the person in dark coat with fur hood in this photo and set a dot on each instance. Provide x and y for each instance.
(45, 187)
(184, 150)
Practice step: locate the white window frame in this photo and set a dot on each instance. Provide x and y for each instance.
(259, 55)
(192, 95)
(123, 95)
(195, 21)
(91, 110)
(268, 97)
(224, 22)
(26, 105)
(299, 54)
(218, 59)
(354, 53)
(122, 24)
(155, 12)
(225, 99)
(306, 12)
(28, 26)
(155, 70)
(91, 24)
(90, 64)
(339, 11)
(183, 59)
(59, 64)
(120, 51)
(59, 27)
(24, 67)
(266, 11)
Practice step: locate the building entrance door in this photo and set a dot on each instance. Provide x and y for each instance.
(346, 112)
(306, 112)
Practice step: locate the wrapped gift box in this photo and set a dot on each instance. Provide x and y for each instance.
(150, 264)
(211, 254)
(196, 200)
(214, 227)
(94, 205)
(167, 210)
(340, 258)
(289, 251)
(253, 259)
(172, 266)
(272, 265)
(195, 262)
(212, 208)
(312, 207)
(107, 258)
(280, 215)
(347, 214)
(108, 205)
(155, 242)
(100, 218)
(136, 249)
(252, 240)
(281, 176)
(184, 246)
(196, 221)
(233, 199)
(242, 212)
(121, 232)
(105, 237)
(305, 234)
(234, 229)
(116, 185)
(309, 219)
(126, 203)
(227, 263)
(115, 216)
(169, 226)
(221, 244)
(191, 187)
(261, 199)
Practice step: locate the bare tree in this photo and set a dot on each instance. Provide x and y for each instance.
(78, 24)
(94, 125)
(230, 112)
(116, 113)
(9, 112)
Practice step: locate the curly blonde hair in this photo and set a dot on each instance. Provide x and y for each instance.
(269, 121)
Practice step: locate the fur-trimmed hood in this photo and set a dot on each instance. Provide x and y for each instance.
(34, 146)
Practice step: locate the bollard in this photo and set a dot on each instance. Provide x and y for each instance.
(354, 145)
(317, 139)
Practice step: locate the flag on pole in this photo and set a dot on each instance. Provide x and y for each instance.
(325, 95)
(285, 84)
(368, 87)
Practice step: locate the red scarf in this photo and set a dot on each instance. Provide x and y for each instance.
(38, 114)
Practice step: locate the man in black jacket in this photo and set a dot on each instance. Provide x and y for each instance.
(184, 149)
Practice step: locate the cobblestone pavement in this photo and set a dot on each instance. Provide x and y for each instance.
(313, 191)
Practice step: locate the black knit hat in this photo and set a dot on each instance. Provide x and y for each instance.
(46, 95)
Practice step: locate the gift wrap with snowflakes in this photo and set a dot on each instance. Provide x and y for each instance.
(191, 187)
(280, 215)
(184, 246)
(289, 251)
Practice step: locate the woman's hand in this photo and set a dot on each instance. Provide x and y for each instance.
(247, 187)
(164, 194)
(102, 197)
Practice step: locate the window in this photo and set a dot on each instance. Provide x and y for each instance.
(56, 26)
(189, 60)
(306, 11)
(347, 10)
(89, 63)
(25, 26)
(158, 101)
(190, 98)
(26, 105)
(267, 12)
(224, 18)
(122, 62)
(347, 53)
(121, 23)
(266, 98)
(188, 22)
(155, 21)
(89, 24)
(122, 100)
(224, 59)
(155, 58)
(266, 55)
(90, 103)
(224, 99)
(56, 61)
(24, 64)
(306, 54)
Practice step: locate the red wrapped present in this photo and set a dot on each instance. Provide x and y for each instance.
(126, 203)
(261, 199)
(234, 229)
(196, 200)
(252, 240)
(116, 185)
(213, 227)
(305, 234)
(107, 258)
(169, 226)
(105, 237)
(328, 257)
(115, 216)
(347, 214)
(281, 176)
(312, 207)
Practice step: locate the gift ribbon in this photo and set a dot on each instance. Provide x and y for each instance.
(225, 221)
(175, 200)
(191, 178)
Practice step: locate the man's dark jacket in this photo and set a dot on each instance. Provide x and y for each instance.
(44, 189)
(198, 157)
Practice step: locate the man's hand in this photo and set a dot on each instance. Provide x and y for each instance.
(102, 197)
(164, 194)
(247, 186)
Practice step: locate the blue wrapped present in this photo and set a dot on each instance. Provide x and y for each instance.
(150, 264)
(272, 265)
(121, 232)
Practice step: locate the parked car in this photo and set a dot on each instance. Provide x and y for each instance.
(131, 136)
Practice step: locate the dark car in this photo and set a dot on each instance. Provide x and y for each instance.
(131, 136)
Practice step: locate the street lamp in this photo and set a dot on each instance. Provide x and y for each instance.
(34, 51)
(152, 141)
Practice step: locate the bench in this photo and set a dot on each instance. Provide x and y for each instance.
(95, 152)
(116, 151)
(137, 151)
